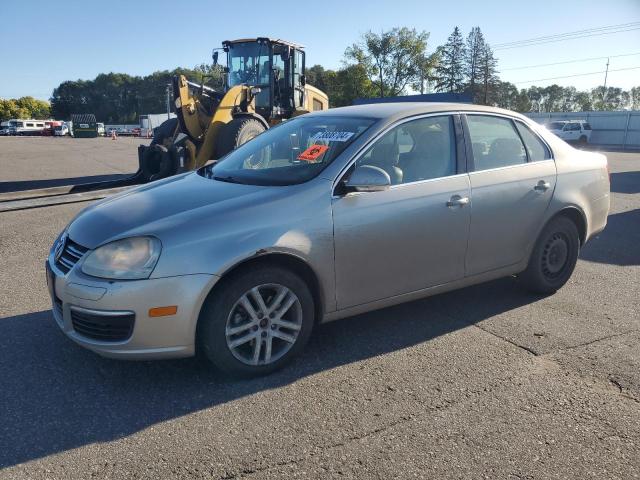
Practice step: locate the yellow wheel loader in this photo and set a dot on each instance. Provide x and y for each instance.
(264, 84)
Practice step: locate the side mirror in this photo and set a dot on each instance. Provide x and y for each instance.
(303, 80)
(215, 57)
(368, 178)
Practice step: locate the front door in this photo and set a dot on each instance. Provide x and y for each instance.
(413, 235)
(512, 183)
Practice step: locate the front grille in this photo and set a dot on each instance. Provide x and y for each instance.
(106, 328)
(71, 253)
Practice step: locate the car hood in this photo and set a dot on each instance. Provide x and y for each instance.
(163, 205)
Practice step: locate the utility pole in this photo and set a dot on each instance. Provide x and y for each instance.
(168, 101)
(606, 74)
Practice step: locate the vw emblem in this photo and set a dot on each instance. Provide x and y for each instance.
(60, 247)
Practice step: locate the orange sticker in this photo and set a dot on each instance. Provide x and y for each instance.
(312, 153)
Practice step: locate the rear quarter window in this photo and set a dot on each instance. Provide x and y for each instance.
(536, 149)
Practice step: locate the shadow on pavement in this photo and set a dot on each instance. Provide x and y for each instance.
(56, 396)
(619, 243)
(19, 186)
(625, 182)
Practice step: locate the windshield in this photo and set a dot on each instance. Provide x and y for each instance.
(248, 63)
(293, 152)
(556, 125)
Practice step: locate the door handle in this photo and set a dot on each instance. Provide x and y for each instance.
(542, 186)
(457, 201)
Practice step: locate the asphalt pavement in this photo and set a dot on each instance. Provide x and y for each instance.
(485, 382)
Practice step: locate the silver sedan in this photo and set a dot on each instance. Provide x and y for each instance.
(325, 216)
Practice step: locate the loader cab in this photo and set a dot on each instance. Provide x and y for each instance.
(274, 67)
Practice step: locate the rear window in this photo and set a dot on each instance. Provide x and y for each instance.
(556, 125)
(586, 126)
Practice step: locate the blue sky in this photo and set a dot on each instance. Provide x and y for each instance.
(47, 42)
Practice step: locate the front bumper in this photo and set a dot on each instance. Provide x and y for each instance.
(171, 336)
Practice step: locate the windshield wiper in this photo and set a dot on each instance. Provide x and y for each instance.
(228, 179)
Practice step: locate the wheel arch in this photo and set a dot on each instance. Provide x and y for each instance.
(285, 260)
(577, 216)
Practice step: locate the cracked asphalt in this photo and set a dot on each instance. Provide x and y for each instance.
(485, 382)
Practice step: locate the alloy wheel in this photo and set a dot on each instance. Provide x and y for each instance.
(264, 324)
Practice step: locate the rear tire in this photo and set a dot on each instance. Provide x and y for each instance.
(553, 258)
(237, 132)
(278, 330)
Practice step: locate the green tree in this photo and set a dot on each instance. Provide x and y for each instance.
(609, 98)
(390, 59)
(450, 69)
(634, 94)
(342, 86)
(425, 74)
(488, 74)
(24, 107)
(474, 62)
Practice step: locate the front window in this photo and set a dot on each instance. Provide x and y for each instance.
(421, 149)
(248, 63)
(293, 152)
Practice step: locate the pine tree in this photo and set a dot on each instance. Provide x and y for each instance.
(450, 70)
(473, 59)
(488, 72)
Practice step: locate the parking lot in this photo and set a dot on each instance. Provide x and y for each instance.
(485, 382)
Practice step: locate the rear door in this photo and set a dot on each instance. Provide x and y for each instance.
(512, 183)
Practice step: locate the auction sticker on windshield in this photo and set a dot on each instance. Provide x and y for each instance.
(333, 136)
(312, 153)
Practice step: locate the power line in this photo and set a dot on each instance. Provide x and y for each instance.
(567, 38)
(577, 75)
(568, 61)
(567, 34)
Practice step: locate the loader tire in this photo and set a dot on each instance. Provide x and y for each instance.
(165, 130)
(157, 162)
(236, 132)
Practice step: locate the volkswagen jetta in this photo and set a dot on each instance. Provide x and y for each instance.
(327, 215)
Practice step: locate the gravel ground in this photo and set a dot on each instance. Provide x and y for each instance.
(485, 382)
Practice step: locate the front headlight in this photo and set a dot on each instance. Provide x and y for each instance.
(128, 259)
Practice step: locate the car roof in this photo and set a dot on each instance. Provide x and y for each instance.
(396, 110)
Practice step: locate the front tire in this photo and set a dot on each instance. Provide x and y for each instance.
(256, 322)
(554, 257)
